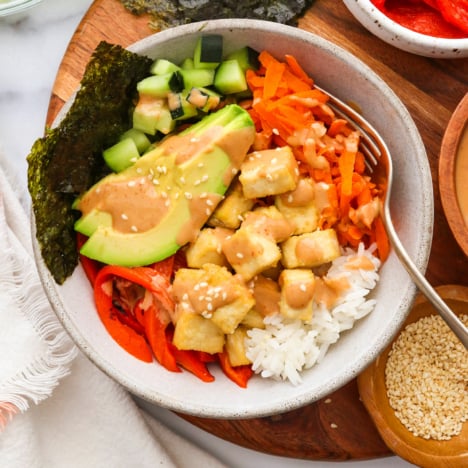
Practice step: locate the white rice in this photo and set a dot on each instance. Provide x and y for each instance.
(287, 347)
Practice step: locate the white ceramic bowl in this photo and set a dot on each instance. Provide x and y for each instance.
(398, 36)
(413, 210)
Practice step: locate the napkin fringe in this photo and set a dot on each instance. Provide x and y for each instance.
(18, 276)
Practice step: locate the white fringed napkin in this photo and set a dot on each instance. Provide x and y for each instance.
(56, 408)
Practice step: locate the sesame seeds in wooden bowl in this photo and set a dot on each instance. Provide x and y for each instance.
(416, 390)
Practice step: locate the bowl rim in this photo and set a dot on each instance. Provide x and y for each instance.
(447, 163)
(16, 6)
(364, 358)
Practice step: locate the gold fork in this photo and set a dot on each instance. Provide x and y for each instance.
(379, 164)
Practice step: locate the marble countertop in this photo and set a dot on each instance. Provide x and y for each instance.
(31, 47)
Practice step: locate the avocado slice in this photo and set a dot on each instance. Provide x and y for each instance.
(146, 212)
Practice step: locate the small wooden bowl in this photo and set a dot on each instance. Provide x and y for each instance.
(451, 453)
(447, 173)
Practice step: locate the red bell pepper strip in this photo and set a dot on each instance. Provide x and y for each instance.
(238, 374)
(190, 360)
(126, 337)
(455, 12)
(90, 267)
(156, 334)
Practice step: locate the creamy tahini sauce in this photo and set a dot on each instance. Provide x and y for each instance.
(329, 290)
(278, 228)
(266, 293)
(135, 205)
(201, 297)
(302, 195)
(299, 295)
(200, 207)
(461, 175)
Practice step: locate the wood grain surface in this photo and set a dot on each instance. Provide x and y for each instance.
(337, 427)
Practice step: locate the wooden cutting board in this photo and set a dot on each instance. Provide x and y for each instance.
(337, 427)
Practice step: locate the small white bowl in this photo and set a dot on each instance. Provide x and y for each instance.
(412, 202)
(403, 38)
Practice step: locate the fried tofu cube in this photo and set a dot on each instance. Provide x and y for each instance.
(250, 253)
(269, 172)
(310, 249)
(268, 221)
(299, 208)
(194, 332)
(229, 316)
(297, 293)
(214, 293)
(207, 248)
(235, 347)
(230, 212)
(253, 319)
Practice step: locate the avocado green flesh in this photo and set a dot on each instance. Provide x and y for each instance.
(207, 172)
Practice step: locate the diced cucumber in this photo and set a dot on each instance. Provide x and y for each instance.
(204, 99)
(247, 58)
(142, 142)
(152, 115)
(187, 64)
(179, 107)
(208, 51)
(121, 155)
(157, 85)
(230, 78)
(163, 67)
(197, 77)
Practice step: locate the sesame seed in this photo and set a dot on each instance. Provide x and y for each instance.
(208, 212)
(275, 131)
(203, 194)
(209, 202)
(239, 255)
(290, 198)
(155, 182)
(205, 178)
(269, 176)
(425, 377)
(209, 306)
(185, 297)
(182, 180)
(207, 314)
(197, 183)
(139, 170)
(274, 160)
(303, 287)
(164, 194)
(328, 401)
(131, 183)
(200, 165)
(124, 216)
(188, 195)
(333, 426)
(167, 203)
(133, 159)
(134, 228)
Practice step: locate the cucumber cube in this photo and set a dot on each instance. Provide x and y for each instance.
(121, 155)
(230, 78)
(208, 51)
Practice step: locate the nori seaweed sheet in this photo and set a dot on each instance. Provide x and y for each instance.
(167, 13)
(67, 160)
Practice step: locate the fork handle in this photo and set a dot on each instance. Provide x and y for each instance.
(455, 324)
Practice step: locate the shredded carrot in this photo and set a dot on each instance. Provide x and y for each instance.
(288, 110)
